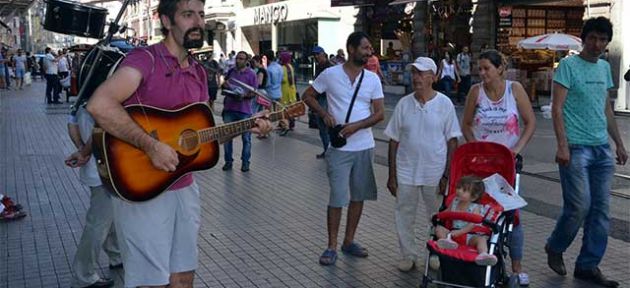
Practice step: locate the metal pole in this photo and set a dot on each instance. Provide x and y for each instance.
(588, 8)
(113, 28)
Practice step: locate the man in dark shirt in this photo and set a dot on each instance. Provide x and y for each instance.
(322, 64)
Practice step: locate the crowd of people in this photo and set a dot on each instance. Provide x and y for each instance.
(20, 68)
(160, 249)
(14, 66)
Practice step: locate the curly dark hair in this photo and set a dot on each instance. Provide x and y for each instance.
(168, 8)
(600, 24)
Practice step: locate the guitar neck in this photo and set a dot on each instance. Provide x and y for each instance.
(234, 128)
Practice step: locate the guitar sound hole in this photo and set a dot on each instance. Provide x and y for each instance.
(189, 141)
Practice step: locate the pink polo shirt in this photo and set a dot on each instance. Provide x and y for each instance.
(166, 85)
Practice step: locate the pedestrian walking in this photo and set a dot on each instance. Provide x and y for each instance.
(237, 106)
(99, 232)
(289, 90)
(53, 87)
(493, 110)
(3, 64)
(423, 133)
(583, 119)
(355, 104)
(322, 64)
(19, 62)
(448, 75)
(463, 65)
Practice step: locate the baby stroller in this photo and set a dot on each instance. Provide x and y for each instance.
(457, 267)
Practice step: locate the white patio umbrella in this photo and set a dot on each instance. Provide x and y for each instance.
(552, 41)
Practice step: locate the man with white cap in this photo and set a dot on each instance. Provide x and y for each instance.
(423, 133)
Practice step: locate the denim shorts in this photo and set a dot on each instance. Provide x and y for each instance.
(351, 176)
(19, 73)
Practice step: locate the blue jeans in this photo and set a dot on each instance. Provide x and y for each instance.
(447, 86)
(232, 116)
(586, 194)
(321, 125)
(517, 239)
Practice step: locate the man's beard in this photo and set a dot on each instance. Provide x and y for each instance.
(193, 43)
(359, 61)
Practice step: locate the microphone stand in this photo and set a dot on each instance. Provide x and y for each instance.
(113, 28)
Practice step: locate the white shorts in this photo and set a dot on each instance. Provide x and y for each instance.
(158, 237)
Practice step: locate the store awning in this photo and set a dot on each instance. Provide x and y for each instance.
(543, 2)
(10, 8)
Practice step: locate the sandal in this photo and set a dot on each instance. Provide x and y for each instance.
(447, 244)
(485, 259)
(355, 249)
(329, 257)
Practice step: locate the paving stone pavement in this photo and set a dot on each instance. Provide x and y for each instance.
(264, 228)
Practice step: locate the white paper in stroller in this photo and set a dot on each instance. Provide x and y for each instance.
(502, 192)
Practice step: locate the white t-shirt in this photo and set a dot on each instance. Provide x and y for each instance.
(448, 70)
(339, 90)
(422, 132)
(51, 65)
(63, 64)
(88, 175)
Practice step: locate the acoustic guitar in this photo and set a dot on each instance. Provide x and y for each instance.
(128, 172)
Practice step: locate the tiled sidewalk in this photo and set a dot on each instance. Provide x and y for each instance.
(264, 228)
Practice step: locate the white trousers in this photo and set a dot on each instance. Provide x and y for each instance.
(405, 215)
(98, 233)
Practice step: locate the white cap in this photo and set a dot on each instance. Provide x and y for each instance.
(423, 64)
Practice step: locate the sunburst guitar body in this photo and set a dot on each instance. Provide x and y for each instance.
(128, 172)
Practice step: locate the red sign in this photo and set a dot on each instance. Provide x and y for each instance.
(505, 11)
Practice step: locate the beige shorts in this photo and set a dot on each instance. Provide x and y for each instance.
(158, 237)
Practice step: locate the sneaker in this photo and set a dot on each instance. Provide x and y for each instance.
(447, 243)
(227, 166)
(555, 261)
(434, 262)
(485, 259)
(321, 156)
(405, 265)
(595, 276)
(523, 279)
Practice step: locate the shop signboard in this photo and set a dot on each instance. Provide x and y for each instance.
(334, 3)
(505, 16)
(271, 14)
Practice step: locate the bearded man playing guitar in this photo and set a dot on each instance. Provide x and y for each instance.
(158, 238)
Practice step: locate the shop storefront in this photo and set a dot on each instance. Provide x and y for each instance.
(534, 68)
(296, 26)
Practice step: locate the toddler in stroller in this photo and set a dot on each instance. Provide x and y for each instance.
(474, 255)
(469, 190)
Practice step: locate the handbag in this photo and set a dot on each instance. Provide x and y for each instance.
(336, 139)
(312, 119)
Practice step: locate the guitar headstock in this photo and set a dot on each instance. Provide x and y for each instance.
(296, 109)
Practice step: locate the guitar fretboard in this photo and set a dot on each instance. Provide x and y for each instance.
(234, 128)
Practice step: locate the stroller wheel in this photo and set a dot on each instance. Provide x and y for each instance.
(513, 282)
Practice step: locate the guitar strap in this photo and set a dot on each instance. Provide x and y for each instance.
(144, 112)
